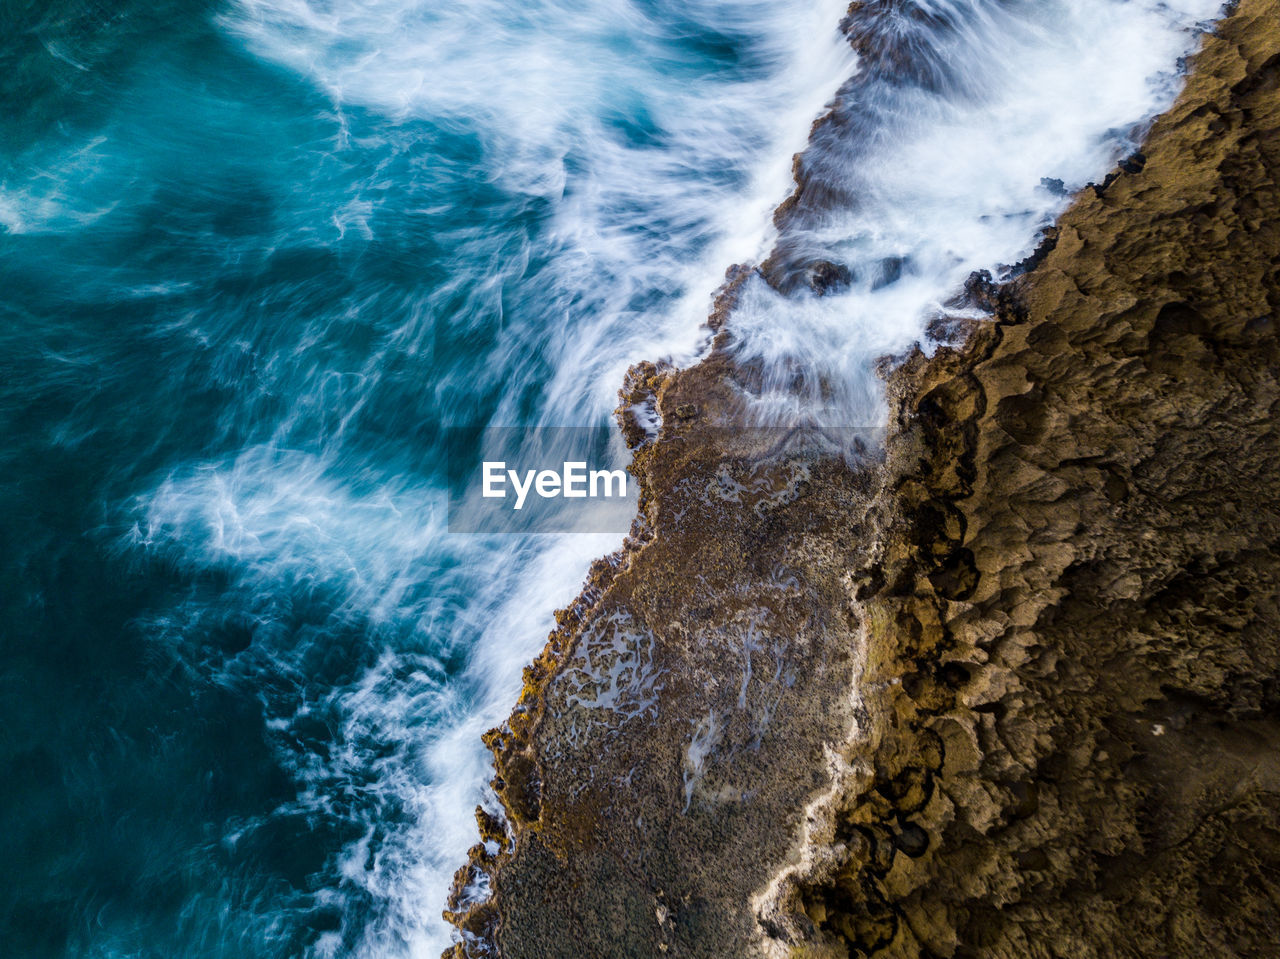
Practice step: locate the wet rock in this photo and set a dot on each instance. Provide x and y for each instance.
(1054, 185)
(827, 277)
(1014, 691)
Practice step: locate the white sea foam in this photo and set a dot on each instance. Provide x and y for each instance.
(949, 181)
(44, 205)
(660, 211)
(549, 89)
(280, 526)
(643, 225)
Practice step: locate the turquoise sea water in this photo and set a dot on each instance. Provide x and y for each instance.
(255, 258)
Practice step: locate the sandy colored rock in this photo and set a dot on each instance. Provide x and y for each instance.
(1078, 650)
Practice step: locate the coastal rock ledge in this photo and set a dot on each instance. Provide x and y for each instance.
(1010, 690)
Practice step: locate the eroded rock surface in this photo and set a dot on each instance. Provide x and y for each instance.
(657, 767)
(1013, 691)
(1073, 675)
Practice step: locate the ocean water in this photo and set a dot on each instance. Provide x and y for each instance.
(257, 256)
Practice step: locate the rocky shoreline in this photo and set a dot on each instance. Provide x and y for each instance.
(1011, 689)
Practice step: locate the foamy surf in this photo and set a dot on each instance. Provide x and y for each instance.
(948, 165)
(946, 178)
(651, 167)
(288, 242)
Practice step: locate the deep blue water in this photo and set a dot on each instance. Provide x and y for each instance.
(255, 258)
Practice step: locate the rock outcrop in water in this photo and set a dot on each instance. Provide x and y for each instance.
(1013, 691)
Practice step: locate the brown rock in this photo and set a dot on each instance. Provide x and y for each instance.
(1013, 692)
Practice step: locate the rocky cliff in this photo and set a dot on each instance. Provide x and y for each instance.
(1010, 687)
